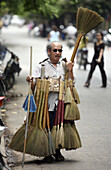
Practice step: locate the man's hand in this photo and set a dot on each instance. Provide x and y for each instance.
(69, 66)
(29, 79)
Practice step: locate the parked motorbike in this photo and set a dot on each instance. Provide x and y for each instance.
(82, 58)
(2, 85)
(3, 51)
(2, 130)
(2, 162)
(8, 76)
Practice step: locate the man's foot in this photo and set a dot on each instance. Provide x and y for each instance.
(48, 159)
(59, 156)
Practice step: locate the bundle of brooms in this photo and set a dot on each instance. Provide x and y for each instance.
(86, 20)
(39, 141)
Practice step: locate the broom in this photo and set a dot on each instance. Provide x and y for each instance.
(59, 108)
(77, 141)
(71, 137)
(54, 129)
(40, 142)
(45, 109)
(86, 20)
(46, 116)
(61, 135)
(28, 109)
(71, 109)
(16, 143)
(51, 143)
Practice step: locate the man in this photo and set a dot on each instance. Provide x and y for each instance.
(53, 69)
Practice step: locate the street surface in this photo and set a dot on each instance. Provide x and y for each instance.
(95, 107)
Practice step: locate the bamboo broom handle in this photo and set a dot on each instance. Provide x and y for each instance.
(38, 85)
(60, 101)
(30, 91)
(76, 46)
(46, 105)
(28, 108)
(74, 51)
(42, 107)
(62, 111)
(39, 104)
(48, 123)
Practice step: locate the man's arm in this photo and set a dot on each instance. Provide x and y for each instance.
(69, 66)
(30, 79)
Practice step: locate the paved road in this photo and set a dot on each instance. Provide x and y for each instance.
(94, 126)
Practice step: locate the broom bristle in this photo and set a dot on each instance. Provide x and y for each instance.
(61, 137)
(53, 132)
(71, 137)
(86, 20)
(76, 95)
(71, 111)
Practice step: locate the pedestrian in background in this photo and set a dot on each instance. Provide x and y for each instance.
(98, 59)
(54, 34)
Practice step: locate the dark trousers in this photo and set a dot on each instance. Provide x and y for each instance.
(52, 118)
(103, 74)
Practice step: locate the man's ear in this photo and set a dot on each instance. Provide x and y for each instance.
(48, 52)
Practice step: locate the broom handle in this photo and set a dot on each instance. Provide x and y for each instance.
(62, 111)
(27, 109)
(48, 123)
(74, 51)
(46, 106)
(76, 46)
(60, 101)
(37, 97)
(42, 107)
(39, 104)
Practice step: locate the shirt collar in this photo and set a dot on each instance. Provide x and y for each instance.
(51, 62)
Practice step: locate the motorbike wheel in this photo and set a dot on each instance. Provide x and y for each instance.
(2, 88)
(9, 81)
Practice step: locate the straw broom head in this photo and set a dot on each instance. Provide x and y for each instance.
(86, 20)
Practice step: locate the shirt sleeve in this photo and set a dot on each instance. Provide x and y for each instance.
(102, 46)
(37, 72)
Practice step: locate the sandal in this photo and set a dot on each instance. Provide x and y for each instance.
(87, 85)
(48, 159)
(59, 156)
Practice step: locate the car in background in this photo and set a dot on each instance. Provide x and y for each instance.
(17, 21)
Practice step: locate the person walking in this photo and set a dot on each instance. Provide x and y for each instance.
(54, 71)
(98, 59)
(54, 34)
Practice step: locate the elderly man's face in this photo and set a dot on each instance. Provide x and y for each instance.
(55, 52)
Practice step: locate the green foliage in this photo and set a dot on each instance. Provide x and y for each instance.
(52, 8)
(3, 8)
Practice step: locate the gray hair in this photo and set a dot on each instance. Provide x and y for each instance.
(49, 46)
